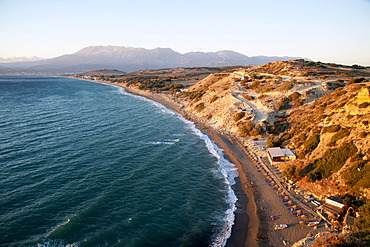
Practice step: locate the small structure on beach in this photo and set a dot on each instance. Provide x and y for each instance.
(278, 154)
(333, 206)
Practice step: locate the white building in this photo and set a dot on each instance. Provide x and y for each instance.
(280, 154)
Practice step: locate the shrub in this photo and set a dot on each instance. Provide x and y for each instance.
(332, 161)
(362, 134)
(338, 240)
(356, 80)
(213, 99)
(200, 107)
(245, 127)
(238, 116)
(196, 95)
(286, 85)
(294, 96)
(358, 174)
(332, 128)
(362, 223)
(248, 97)
(256, 130)
(291, 172)
(339, 135)
(309, 145)
(363, 105)
(312, 142)
(270, 141)
(283, 104)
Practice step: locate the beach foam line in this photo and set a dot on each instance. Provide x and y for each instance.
(227, 169)
(229, 173)
(166, 142)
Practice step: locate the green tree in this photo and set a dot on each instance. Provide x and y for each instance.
(270, 141)
(312, 142)
(245, 128)
(362, 223)
(291, 172)
(238, 116)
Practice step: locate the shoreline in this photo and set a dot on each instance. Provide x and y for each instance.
(246, 223)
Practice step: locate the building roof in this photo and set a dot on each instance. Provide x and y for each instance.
(331, 208)
(288, 152)
(335, 201)
(275, 152)
(334, 198)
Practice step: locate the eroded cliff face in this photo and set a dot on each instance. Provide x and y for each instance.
(215, 103)
(338, 162)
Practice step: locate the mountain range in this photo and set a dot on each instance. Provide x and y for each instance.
(130, 59)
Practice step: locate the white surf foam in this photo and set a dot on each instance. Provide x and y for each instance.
(229, 173)
(166, 142)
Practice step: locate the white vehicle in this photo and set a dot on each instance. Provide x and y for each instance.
(280, 227)
(316, 203)
(314, 223)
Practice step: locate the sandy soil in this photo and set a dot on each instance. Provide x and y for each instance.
(257, 200)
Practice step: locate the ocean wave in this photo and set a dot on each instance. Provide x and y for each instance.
(229, 173)
(57, 243)
(227, 169)
(166, 142)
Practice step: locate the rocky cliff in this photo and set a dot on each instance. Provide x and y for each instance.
(321, 111)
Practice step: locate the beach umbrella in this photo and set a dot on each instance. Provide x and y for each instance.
(295, 206)
(280, 189)
(282, 193)
(300, 211)
(287, 197)
(290, 202)
(304, 217)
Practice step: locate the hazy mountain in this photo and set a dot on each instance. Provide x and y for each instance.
(19, 59)
(130, 59)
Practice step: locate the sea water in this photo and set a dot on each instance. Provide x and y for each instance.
(85, 164)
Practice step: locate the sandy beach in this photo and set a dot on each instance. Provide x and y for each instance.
(256, 199)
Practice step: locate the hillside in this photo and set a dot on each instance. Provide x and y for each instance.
(102, 72)
(321, 111)
(332, 140)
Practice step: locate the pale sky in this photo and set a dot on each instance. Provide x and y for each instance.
(322, 30)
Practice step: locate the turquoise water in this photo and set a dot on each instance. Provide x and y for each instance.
(84, 164)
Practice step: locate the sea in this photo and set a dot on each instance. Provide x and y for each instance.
(86, 164)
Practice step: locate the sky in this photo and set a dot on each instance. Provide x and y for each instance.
(322, 30)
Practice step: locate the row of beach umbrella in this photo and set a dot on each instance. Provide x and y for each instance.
(270, 181)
